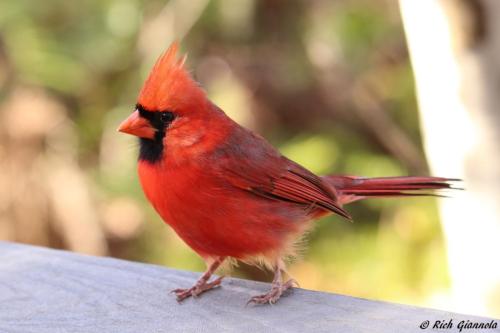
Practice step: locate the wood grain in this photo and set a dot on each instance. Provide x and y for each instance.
(45, 290)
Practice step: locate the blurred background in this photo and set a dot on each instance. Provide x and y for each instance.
(372, 88)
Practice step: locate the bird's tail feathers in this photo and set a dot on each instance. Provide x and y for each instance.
(352, 188)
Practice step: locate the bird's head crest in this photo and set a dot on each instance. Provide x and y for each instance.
(169, 85)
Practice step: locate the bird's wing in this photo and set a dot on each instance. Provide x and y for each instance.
(299, 185)
(255, 166)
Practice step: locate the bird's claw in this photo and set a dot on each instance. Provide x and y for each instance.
(196, 290)
(274, 294)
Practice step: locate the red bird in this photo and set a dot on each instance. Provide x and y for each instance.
(225, 190)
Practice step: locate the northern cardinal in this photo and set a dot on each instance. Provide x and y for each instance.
(225, 190)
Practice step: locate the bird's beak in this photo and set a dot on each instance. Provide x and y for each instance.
(138, 126)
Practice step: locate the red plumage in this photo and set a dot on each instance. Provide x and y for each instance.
(225, 190)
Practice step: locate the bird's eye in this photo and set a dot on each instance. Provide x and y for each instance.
(167, 117)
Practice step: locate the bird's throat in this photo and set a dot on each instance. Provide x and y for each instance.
(151, 150)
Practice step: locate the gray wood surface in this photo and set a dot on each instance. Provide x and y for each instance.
(44, 290)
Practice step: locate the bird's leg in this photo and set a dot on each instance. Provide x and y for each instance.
(202, 284)
(278, 287)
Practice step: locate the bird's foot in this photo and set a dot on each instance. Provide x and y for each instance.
(274, 294)
(199, 288)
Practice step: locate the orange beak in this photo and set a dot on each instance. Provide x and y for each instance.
(138, 126)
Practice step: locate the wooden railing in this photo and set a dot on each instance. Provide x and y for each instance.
(45, 290)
